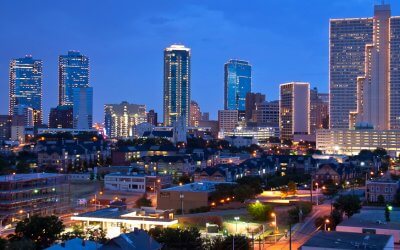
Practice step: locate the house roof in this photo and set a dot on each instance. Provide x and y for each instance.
(138, 239)
(76, 244)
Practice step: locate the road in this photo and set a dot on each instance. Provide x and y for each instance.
(302, 232)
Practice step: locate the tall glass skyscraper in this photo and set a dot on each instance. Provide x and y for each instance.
(73, 72)
(176, 84)
(26, 85)
(237, 84)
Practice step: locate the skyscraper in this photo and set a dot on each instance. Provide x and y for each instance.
(195, 114)
(119, 119)
(252, 99)
(83, 108)
(61, 117)
(319, 106)
(267, 114)
(372, 80)
(176, 84)
(73, 72)
(294, 109)
(152, 117)
(26, 85)
(237, 85)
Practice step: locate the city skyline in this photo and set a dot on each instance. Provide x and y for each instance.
(267, 67)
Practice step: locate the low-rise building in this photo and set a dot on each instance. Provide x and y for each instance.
(240, 141)
(126, 155)
(24, 195)
(352, 141)
(348, 241)
(186, 197)
(373, 221)
(381, 187)
(134, 182)
(138, 239)
(116, 220)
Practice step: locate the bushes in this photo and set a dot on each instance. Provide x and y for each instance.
(199, 210)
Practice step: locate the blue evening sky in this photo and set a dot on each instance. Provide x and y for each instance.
(284, 40)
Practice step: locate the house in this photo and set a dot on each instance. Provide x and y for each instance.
(123, 156)
(384, 187)
(138, 239)
(176, 165)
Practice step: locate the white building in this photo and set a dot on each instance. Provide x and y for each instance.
(125, 182)
(240, 141)
(294, 109)
(260, 134)
(352, 141)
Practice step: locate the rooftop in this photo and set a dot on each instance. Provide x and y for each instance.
(76, 243)
(24, 177)
(204, 186)
(344, 241)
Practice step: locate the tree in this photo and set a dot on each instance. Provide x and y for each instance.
(43, 231)
(387, 213)
(143, 201)
(292, 188)
(330, 189)
(302, 209)
(348, 204)
(381, 199)
(381, 152)
(259, 211)
(184, 179)
(23, 167)
(176, 238)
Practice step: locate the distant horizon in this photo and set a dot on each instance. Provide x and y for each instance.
(125, 44)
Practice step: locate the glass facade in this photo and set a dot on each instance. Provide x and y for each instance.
(237, 84)
(83, 108)
(176, 84)
(348, 38)
(73, 70)
(26, 85)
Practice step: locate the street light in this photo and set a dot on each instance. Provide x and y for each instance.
(273, 215)
(236, 219)
(181, 196)
(316, 196)
(327, 221)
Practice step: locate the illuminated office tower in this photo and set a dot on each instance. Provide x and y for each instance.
(365, 71)
(176, 84)
(73, 72)
(119, 119)
(26, 86)
(237, 85)
(294, 109)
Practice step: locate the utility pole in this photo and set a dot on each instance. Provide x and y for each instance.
(290, 236)
(311, 189)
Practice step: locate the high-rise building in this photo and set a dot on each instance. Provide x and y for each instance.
(237, 85)
(176, 84)
(227, 120)
(73, 72)
(252, 99)
(267, 114)
(319, 108)
(82, 108)
(26, 85)
(119, 119)
(294, 109)
(195, 114)
(205, 116)
(61, 117)
(152, 117)
(365, 67)
(5, 127)
(26, 112)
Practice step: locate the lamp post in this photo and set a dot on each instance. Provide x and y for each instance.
(275, 224)
(236, 219)
(181, 196)
(327, 221)
(316, 196)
